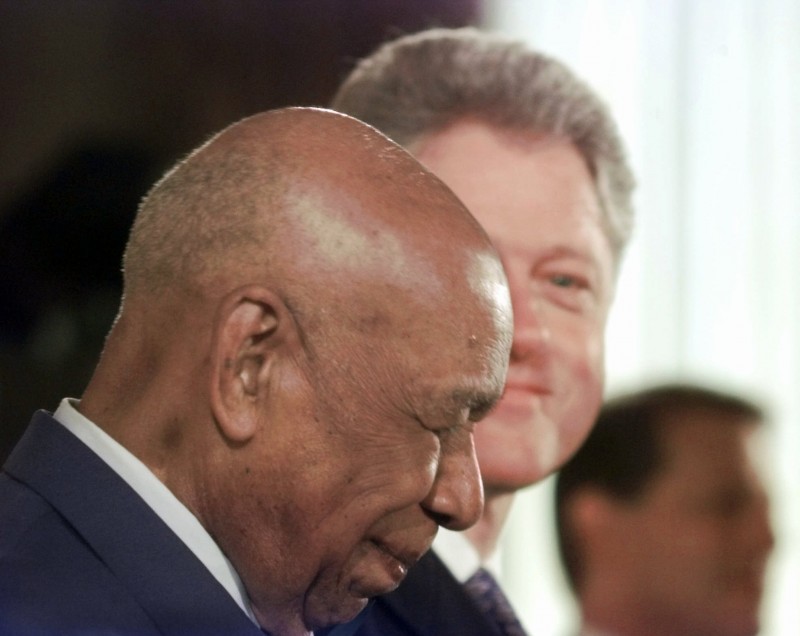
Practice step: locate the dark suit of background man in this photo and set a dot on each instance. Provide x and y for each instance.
(663, 518)
(535, 156)
(283, 411)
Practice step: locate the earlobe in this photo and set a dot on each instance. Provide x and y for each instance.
(248, 332)
(590, 511)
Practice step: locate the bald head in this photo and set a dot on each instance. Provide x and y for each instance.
(294, 186)
(312, 324)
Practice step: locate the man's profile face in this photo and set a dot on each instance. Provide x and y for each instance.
(700, 538)
(371, 446)
(536, 200)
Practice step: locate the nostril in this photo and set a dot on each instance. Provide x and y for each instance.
(453, 513)
(441, 519)
(455, 500)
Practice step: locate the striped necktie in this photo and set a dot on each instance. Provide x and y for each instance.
(490, 599)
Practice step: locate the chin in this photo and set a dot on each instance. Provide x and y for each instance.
(747, 623)
(333, 612)
(747, 628)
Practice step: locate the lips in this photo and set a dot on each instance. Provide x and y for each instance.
(403, 558)
(396, 560)
(521, 397)
(518, 382)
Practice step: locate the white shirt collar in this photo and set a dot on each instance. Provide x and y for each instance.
(461, 557)
(156, 495)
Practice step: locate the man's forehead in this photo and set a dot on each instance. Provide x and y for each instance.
(338, 231)
(487, 278)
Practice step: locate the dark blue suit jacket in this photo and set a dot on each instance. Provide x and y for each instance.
(82, 553)
(430, 602)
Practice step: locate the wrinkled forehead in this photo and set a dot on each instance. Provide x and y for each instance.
(352, 242)
(487, 280)
(460, 327)
(424, 245)
(417, 278)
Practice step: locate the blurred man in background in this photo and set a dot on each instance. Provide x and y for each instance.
(662, 516)
(536, 157)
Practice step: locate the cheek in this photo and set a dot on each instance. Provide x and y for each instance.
(689, 548)
(383, 477)
(670, 560)
(378, 501)
(581, 342)
(579, 367)
(582, 347)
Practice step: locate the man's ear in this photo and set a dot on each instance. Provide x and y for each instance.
(591, 511)
(603, 525)
(251, 328)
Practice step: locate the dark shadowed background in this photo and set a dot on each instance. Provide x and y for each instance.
(97, 99)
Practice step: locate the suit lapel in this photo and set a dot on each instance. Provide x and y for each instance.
(170, 583)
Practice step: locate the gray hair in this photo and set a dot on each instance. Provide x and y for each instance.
(419, 84)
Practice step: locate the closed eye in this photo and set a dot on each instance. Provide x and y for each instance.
(480, 409)
(478, 405)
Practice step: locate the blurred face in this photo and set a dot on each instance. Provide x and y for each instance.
(369, 447)
(699, 541)
(536, 200)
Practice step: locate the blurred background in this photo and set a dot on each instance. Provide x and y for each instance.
(98, 97)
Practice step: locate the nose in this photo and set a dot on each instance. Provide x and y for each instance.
(455, 500)
(531, 334)
(763, 534)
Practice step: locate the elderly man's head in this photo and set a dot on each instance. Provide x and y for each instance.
(312, 324)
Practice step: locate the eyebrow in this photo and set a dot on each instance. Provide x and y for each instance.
(556, 252)
(563, 251)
